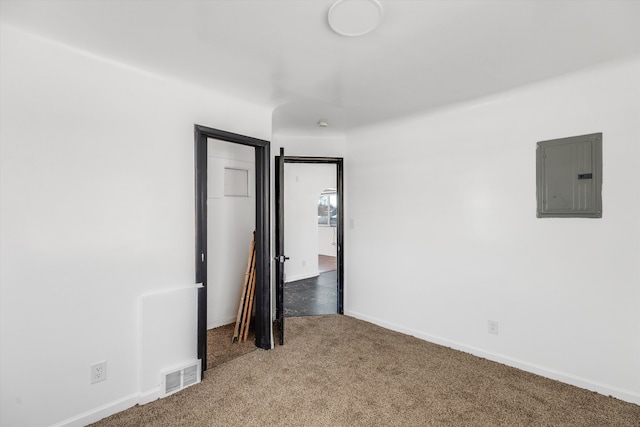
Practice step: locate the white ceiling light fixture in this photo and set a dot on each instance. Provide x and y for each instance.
(354, 18)
(323, 123)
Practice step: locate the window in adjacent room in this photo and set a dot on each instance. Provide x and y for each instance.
(328, 208)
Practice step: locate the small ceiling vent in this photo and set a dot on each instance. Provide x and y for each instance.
(180, 378)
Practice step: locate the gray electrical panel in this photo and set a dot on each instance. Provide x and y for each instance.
(569, 177)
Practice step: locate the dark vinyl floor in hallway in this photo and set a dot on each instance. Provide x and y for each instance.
(311, 297)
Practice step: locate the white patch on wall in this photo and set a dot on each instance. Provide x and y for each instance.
(236, 182)
(168, 338)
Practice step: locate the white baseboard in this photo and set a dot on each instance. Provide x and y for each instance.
(100, 412)
(150, 395)
(607, 390)
(109, 409)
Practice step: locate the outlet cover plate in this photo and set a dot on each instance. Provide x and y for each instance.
(98, 371)
(493, 327)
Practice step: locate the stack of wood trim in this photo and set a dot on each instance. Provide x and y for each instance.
(245, 309)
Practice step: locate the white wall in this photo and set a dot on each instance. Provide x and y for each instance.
(327, 240)
(302, 186)
(230, 225)
(97, 210)
(167, 338)
(332, 145)
(458, 242)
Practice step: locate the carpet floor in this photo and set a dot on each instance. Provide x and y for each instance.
(221, 348)
(340, 371)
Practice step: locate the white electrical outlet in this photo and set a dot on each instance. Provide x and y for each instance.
(98, 371)
(493, 327)
(304, 263)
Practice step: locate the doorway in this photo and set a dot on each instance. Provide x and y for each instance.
(262, 323)
(281, 258)
(311, 211)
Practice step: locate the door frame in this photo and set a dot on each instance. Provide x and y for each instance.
(339, 162)
(263, 331)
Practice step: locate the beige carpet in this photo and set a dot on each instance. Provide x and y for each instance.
(339, 371)
(221, 348)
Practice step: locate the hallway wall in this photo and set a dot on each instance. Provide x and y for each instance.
(327, 241)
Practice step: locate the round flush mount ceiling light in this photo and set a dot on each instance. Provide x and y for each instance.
(322, 123)
(355, 17)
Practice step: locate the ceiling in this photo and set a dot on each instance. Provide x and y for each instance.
(283, 53)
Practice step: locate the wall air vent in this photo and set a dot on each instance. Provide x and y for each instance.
(177, 379)
(172, 382)
(190, 376)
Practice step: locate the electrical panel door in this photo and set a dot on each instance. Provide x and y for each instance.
(569, 177)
